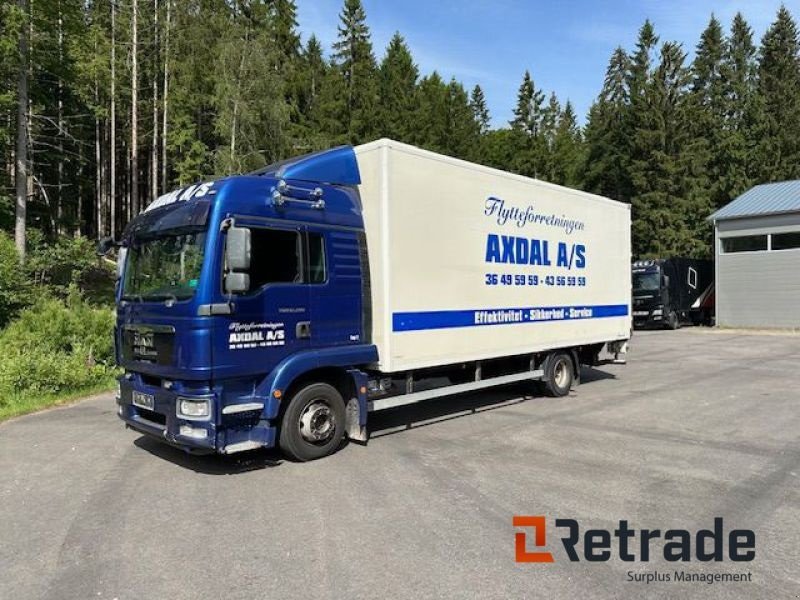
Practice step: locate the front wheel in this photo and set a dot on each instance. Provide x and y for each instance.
(313, 423)
(673, 322)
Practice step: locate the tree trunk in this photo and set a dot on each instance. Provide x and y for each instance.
(79, 208)
(154, 145)
(165, 103)
(134, 205)
(21, 171)
(113, 159)
(60, 177)
(98, 164)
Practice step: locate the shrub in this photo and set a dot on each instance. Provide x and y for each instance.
(16, 291)
(56, 265)
(57, 346)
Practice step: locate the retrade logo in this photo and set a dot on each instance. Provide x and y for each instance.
(629, 544)
(540, 540)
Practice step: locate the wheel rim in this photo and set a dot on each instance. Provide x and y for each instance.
(317, 422)
(561, 374)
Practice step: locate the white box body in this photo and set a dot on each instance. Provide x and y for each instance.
(468, 262)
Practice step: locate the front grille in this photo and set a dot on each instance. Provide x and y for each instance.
(152, 416)
(148, 343)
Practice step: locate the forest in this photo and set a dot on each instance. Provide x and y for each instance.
(106, 105)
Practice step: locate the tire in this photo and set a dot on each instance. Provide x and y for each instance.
(313, 424)
(559, 375)
(673, 322)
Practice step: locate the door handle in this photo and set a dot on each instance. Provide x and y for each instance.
(303, 330)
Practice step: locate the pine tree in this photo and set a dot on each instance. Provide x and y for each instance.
(739, 76)
(641, 62)
(671, 201)
(779, 90)
(313, 71)
(354, 58)
(528, 111)
(398, 98)
(544, 145)
(284, 23)
(707, 102)
(480, 110)
(608, 134)
(462, 129)
(530, 152)
(432, 120)
(567, 151)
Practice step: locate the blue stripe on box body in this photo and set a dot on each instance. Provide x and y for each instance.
(447, 319)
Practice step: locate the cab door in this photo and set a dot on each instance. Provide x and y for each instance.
(271, 320)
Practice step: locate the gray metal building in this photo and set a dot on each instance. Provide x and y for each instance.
(757, 252)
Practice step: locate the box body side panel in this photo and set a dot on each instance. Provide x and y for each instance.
(468, 263)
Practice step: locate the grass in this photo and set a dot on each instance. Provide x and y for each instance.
(27, 402)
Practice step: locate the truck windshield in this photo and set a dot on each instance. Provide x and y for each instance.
(164, 267)
(646, 281)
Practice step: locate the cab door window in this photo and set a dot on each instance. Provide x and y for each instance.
(276, 257)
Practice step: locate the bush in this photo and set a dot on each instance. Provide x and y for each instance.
(56, 265)
(16, 291)
(57, 346)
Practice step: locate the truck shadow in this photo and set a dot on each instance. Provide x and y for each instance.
(211, 464)
(381, 424)
(404, 418)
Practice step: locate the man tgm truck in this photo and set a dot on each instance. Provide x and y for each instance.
(281, 307)
(668, 292)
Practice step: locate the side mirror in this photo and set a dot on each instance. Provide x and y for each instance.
(104, 245)
(236, 283)
(237, 260)
(237, 249)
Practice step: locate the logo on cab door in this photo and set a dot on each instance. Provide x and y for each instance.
(242, 336)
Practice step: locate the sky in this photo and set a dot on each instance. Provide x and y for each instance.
(565, 44)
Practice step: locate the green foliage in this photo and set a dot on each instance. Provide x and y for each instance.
(56, 346)
(779, 89)
(607, 151)
(16, 291)
(56, 266)
(241, 89)
(249, 101)
(354, 59)
(398, 91)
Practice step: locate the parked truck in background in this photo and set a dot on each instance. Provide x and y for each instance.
(668, 292)
(281, 307)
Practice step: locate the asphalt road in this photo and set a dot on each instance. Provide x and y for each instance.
(698, 425)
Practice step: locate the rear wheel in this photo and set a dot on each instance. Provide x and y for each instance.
(559, 375)
(313, 424)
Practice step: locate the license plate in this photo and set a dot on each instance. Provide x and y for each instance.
(143, 400)
(640, 313)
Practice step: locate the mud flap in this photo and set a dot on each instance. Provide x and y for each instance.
(353, 427)
(619, 349)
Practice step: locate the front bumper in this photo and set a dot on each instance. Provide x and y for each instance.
(647, 318)
(221, 433)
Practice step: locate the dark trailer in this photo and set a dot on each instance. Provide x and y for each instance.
(670, 291)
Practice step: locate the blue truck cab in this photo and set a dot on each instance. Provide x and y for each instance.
(235, 293)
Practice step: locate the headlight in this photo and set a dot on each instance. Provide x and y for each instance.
(119, 391)
(198, 409)
(658, 312)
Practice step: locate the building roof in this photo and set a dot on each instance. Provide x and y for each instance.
(764, 199)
